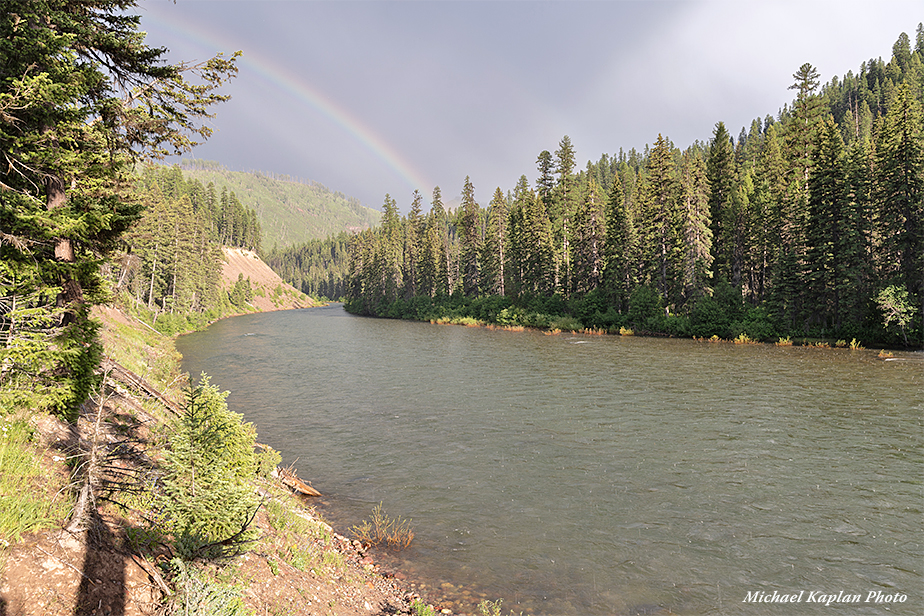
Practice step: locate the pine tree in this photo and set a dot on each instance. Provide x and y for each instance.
(807, 113)
(494, 249)
(562, 212)
(825, 227)
(441, 229)
(545, 183)
(209, 500)
(899, 194)
(620, 248)
(660, 221)
(738, 225)
(413, 232)
(68, 133)
(470, 241)
(530, 243)
(697, 237)
(389, 252)
(589, 237)
(721, 175)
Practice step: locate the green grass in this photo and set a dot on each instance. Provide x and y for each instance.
(285, 521)
(23, 508)
(151, 355)
(422, 609)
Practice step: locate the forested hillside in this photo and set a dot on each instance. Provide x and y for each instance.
(808, 223)
(170, 270)
(290, 211)
(317, 268)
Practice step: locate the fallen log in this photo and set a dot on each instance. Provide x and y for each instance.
(123, 375)
(291, 480)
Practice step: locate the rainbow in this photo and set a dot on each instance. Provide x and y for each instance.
(299, 89)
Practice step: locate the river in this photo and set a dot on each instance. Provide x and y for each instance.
(576, 474)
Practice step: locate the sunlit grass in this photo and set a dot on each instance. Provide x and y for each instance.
(23, 507)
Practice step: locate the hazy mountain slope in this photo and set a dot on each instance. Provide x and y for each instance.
(290, 212)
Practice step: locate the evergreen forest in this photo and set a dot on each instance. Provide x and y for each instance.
(83, 101)
(317, 268)
(291, 211)
(169, 267)
(807, 224)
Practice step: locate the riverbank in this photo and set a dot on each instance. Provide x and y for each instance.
(115, 563)
(723, 317)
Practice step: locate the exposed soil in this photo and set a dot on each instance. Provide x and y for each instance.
(270, 291)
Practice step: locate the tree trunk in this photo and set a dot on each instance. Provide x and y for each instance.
(71, 293)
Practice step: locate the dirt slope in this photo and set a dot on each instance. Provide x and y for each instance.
(270, 291)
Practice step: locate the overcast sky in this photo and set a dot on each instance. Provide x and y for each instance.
(370, 98)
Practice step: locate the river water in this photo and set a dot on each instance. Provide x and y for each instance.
(572, 474)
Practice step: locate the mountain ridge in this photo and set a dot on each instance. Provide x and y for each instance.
(291, 211)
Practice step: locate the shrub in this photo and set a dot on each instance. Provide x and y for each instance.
(568, 324)
(593, 303)
(422, 609)
(487, 308)
(609, 320)
(266, 460)
(170, 323)
(708, 318)
(208, 501)
(644, 304)
(490, 608)
(896, 309)
(757, 324)
(396, 533)
(197, 595)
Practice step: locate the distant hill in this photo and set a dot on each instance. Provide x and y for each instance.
(291, 211)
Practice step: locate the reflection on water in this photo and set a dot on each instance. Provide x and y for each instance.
(596, 475)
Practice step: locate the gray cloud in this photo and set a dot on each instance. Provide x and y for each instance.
(480, 88)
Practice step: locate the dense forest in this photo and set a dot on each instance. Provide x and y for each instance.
(170, 263)
(317, 268)
(807, 224)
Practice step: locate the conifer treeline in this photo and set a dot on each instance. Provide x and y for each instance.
(797, 227)
(172, 261)
(317, 268)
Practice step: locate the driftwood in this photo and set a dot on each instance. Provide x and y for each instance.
(288, 478)
(128, 378)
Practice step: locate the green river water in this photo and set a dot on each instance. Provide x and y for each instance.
(572, 474)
